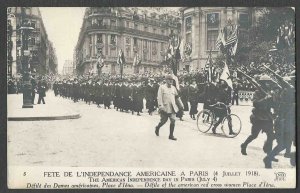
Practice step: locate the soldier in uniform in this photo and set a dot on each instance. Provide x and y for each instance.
(166, 98)
(261, 117)
(284, 123)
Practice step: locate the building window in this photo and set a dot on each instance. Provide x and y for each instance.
(212, 36)
(113, 23)
(28, 10)
(244, 20)
(32, 41)
(33, 24)
(146, 28)
(213, 23)
(99, 39)
(163, 32)
(136, 26)
(127, 40)
(113, 39)
(154, 49)
(145, 50)
(188, 24)
(154, 30)
(135, 41)
(127, 24)
(213, 20)
(188, 38)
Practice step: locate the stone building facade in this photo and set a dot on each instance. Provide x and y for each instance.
(42, 54)
(142, 32)
(201, 27)
(68, 68)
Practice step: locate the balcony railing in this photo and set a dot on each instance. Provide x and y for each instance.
(122, 29)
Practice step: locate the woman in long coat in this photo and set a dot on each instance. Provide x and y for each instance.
(193, 98)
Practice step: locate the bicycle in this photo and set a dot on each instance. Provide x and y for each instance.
(207, 118)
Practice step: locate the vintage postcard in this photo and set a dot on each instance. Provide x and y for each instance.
(151, 97)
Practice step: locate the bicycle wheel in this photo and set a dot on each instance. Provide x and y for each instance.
(234, 122)
(205, 120)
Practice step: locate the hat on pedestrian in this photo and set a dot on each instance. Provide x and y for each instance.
(169, 77)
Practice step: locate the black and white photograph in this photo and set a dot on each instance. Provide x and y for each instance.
(125, 97)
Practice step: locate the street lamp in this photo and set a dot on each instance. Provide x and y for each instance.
(25, 29)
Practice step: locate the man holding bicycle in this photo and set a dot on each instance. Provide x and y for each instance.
(220, 110)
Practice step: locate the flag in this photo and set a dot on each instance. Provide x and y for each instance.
(121, 58)
(226, 76)
(209, 68)
(220, 40)
(232, 38)
(121, 61)
(234, 48)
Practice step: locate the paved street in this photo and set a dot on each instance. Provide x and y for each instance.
(108, 138)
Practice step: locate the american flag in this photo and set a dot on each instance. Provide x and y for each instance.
(209, 69)
(232, 38)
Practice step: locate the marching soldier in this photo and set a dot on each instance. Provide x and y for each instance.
(284, 123)
(166, 97)
(261, 117)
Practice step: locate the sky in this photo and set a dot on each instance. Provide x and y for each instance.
(63, 26)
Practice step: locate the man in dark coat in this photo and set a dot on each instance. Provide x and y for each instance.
(235, 94)
(106, 92)
(224, 96)
(41, 91)
(183, 93)
(150, 97)
(193, 98)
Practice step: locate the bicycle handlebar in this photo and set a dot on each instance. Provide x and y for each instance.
(220, 103)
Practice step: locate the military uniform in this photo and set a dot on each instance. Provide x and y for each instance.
(261, 120)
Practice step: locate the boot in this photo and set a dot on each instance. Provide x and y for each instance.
(243, 149)
(171, 136)
(214, 130)
(157, 131)
(267, 162)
